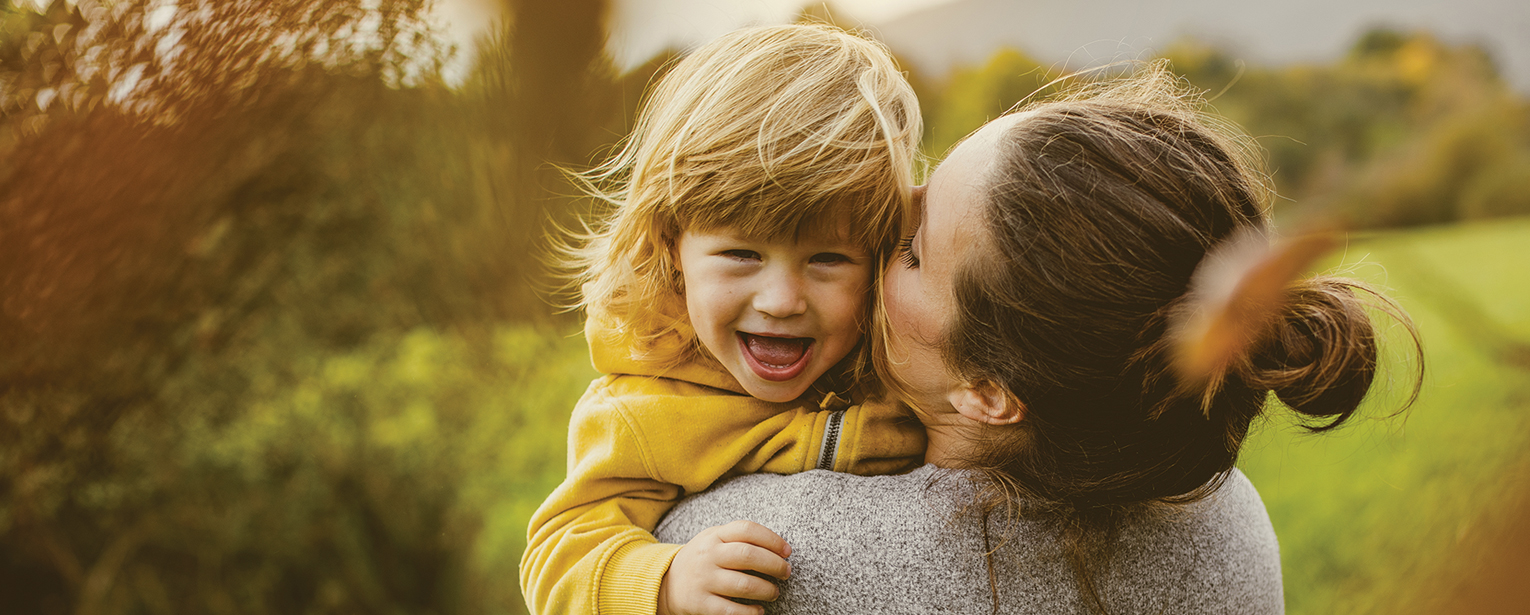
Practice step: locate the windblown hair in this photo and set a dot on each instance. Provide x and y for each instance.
(764, 132)
(1101, 206)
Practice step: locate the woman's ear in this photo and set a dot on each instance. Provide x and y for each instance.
(985, 401)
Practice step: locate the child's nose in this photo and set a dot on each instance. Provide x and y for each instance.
(781, 296)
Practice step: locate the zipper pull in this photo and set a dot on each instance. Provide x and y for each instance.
(828, 450)
(832, 401)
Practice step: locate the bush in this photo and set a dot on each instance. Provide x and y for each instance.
(1502, 189)
(971, 97)
(398, 477)
(258, 309)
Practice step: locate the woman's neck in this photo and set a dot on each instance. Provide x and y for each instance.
(948, 443)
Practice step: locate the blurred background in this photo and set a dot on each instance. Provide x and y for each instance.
(275, 338)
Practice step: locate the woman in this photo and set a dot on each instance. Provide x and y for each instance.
(1033, 321)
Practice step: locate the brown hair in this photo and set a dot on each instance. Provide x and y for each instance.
(1101, 207)
(763, 131)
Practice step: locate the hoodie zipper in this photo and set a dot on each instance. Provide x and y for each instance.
(828, 452)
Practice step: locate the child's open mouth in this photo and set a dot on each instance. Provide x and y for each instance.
(776, 358)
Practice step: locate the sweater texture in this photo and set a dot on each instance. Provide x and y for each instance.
(901, 545)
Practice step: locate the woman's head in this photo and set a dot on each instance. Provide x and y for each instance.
(1057, 245)
(768, 133)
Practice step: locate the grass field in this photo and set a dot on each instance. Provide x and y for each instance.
(1390, 514)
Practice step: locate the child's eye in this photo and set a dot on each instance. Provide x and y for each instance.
(747, 255)
(830, 257)
(906, 252)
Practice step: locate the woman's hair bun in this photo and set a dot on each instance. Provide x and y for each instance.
(1320, 355)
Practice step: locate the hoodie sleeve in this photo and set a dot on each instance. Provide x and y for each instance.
(598, 518)
(636, 446)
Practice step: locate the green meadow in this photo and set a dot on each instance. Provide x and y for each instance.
(1388, 514)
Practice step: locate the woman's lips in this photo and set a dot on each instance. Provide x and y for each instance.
(776, 358)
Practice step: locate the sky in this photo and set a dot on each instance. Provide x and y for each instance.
(1258, 31)
(935, 35)
(643, 28)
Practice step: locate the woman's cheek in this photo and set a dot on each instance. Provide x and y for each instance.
(893, 303)
(864, 290)
(895, 290)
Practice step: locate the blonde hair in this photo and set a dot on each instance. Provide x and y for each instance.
(762, 131)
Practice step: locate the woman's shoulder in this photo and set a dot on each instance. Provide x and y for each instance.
(1230, 522)
(1215, 555)
(803, 500)
(860, 544)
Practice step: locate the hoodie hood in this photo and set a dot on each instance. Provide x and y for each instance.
(612, 354)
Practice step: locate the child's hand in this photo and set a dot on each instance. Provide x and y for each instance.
(710, 569)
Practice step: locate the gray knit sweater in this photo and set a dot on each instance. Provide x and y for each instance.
(894, 544)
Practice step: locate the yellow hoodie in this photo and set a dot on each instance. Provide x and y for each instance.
(640, 439)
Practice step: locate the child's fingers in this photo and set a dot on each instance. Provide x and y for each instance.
(735, 584)
(755, 534)
(745, 556)
(717, 605)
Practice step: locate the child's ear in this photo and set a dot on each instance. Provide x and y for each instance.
(985, 401)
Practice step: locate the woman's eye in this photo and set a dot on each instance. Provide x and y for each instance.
(906, 252)
(747, 255)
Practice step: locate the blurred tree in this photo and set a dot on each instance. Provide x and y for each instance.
(223, 226)
(561, 77)
(1397, 133)
(548, 99)
(1500, 189)
(1405, 130)
(972, 96)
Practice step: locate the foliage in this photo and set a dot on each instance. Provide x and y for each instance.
(1406, 130)
(975, 95)
(256, 262)
(394, 478)
(163, 61)
(1395, 134)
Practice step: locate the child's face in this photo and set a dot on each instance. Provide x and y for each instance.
(776, 313)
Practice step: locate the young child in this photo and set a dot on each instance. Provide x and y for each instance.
(727, 293)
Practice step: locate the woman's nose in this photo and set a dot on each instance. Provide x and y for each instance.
(781, 296)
